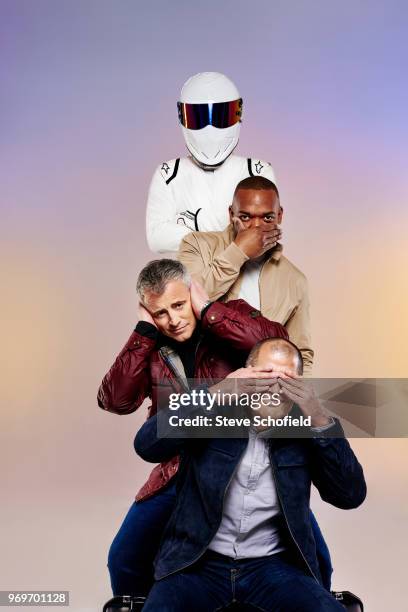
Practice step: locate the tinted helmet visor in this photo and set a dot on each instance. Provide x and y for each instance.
(217, 114)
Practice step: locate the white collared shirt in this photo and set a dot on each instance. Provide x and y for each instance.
(251, 514)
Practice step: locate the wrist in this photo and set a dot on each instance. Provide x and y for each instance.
(240, 246)
(147, 329)
(322, 423)
(234, 256)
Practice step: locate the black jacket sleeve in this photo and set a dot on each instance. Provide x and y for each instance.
(336, 472)
(150, 447)
(158, 440)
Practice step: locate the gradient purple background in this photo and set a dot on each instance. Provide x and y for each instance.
(88, 109)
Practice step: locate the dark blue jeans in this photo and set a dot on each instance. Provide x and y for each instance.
(134, 548)
(268, 584)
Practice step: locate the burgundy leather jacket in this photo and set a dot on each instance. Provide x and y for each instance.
(229, 331)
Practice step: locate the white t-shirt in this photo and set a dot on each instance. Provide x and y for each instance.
(183, 198)
(249, 290)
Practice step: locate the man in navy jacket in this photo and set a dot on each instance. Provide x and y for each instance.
(240, 530)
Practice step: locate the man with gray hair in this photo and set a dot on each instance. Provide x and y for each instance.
(180, 336)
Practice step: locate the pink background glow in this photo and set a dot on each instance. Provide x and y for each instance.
(89, 91)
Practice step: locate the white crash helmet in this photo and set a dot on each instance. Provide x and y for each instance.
(210, 110)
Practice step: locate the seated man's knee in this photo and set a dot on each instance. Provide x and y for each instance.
(318, 599)
(114, 556)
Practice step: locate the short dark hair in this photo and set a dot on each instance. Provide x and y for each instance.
(281, 345)
(157, 273)
(257, 183)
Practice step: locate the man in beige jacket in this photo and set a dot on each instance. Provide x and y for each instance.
(246, 261)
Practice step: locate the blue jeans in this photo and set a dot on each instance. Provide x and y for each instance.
(268, 584)
(135, 546)
(131, 555)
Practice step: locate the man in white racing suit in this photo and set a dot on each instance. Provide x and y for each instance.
(188, 194)
(193, 193)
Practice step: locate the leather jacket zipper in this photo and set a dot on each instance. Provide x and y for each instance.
(173, 369)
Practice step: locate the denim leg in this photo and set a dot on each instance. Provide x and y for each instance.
(203, 587)
(322, 552)
(135, 546)
(272, 584)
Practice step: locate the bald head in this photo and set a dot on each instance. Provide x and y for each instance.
(277, 354)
